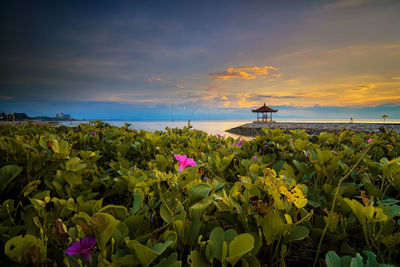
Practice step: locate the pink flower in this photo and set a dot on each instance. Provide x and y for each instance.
(233, 144)
(93, 133)
(307, 154)
(240, 143)
(255, 158)
(184, 161)
(369, 140)
(83, 247)
(218, 135)
(333, 151)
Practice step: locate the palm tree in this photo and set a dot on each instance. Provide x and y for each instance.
(384, 117)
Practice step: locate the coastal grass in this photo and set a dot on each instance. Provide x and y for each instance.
(280, 199)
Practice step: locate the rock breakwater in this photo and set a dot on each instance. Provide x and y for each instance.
(253, 129)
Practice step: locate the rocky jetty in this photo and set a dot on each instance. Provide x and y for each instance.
(253, 129)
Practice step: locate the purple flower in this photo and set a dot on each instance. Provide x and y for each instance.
(184, 161)
(152, 218)
(240, 143)
(369, 140)
(205, 179)
(255, 158)
(93, 133)
(333, 151)
(218, 135)
(265, 146)
(307, 154)
(83, 247)
(233, 144)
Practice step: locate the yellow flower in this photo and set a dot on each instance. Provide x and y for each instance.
(295, 196)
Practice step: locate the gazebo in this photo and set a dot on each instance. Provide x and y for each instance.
(264, 110)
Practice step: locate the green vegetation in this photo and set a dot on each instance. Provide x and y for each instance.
(278, 200)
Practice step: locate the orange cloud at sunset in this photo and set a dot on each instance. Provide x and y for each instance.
(155, 79)
(246, 73)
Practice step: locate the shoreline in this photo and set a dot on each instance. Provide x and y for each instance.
(253, 129)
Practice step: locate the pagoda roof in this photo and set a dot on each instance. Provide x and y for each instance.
(264, 109)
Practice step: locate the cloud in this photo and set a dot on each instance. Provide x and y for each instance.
(224, 98)
(178, 86)
(276, 96)
(246, 73)
(5, 97)
(155, 79)
(396, 78)
(361, 88)
(345, 3)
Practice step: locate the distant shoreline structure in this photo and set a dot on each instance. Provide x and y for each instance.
(253, 129)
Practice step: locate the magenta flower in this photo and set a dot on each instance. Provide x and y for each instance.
(240, 143)
(307, 154)
(184, 161)
(93, 133)
(83, 247)
(265, 146)
(333, 151)
(218, 135)
(255, 158)
(369, 140)
(233, 144)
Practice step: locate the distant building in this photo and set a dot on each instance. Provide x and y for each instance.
(262, 114)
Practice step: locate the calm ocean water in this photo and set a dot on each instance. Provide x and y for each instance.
(210, 127)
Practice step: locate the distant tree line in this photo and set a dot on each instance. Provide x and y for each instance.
(22, 117)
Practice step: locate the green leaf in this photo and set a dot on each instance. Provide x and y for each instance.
(198, 192)
(357, 261)
(74, 164)
(272, 226)
(104, 225)
(197, 209)
(134, 223)
(137, 201)
(7, 174)
(299, 166)
(191, 232)
(239, 246)
(195, 259)
(332, 259)
(297, 233)
(217, 239)
(25, 249)
(145, 254)
(119, 212)
(161, 247)
(171, 261)
(72, 179)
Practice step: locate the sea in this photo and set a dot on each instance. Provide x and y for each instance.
(209, 126)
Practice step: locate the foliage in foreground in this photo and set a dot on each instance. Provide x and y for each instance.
(282, 199)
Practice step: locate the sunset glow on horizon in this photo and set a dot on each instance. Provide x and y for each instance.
(306, 58)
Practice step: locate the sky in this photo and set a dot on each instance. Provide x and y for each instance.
(201, 59)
